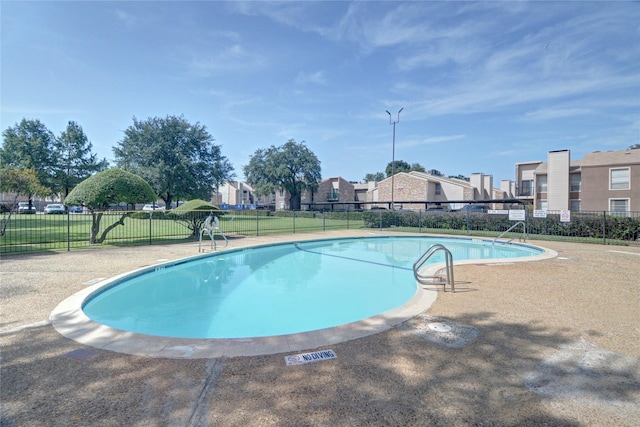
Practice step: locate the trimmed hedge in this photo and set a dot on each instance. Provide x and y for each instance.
(595, 226)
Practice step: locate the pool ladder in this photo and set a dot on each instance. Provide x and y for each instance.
(435, 279)
(524, 232)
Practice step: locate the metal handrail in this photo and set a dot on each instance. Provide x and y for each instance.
(524, 232)
(448, 265)
(211, 230)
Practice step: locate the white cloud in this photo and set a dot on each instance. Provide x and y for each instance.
(317, 77)
(128, 19)
(431, 140)
(228, 58)
(555, 113)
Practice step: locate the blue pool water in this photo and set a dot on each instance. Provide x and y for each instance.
(277, 289)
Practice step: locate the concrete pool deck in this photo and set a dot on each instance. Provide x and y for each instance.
(550, 342)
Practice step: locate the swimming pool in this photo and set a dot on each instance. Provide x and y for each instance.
(277, 289)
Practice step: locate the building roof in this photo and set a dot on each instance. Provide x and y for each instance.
(438, 178)
(599, 158)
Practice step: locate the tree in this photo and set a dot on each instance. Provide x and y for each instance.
(374, 177)
(417, 167)
(398, 166)
(105, 188)
(178, 159)
(459, 176)
(634, 146)
(75, 162)
(291, 167)
(193, 214)
(21, 182)
(30, 145)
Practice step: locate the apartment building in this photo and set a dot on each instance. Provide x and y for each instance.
(602, 181)
(335, 189)
(423, 187)
(234, 193)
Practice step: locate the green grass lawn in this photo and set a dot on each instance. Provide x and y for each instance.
(51, 232)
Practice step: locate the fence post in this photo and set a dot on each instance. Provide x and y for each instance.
(150, 221)
(293, 221)
(604, 227)
(420, 221)
(68, 230)
(324, 225)
(467, 215)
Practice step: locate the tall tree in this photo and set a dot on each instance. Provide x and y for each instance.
(398, 166)
(76, 162)
(417, 167)
(30, 145)
(634, 146)
(20, 182)
(291, 167)
(177, 158)
(374, 177)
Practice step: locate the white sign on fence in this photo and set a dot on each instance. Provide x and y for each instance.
(498, 212)
(538, 213)
(565, 216)
(516, 214)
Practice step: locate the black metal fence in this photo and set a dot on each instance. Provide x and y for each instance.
(39, 232)
(589, 227)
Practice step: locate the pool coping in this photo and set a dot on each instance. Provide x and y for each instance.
(69, 320)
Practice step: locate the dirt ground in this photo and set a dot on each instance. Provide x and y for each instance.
(553, 342)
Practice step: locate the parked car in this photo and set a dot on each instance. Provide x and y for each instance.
(152, 207)
(23, 208)
(437, 209)
(55, 208)
(75, 209)
(474, 208)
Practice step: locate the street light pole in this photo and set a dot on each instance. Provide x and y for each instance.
(393, 153)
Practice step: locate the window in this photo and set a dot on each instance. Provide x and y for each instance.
(281, 193)
(542, 184)
(526, 188)
(576, 180)
(438, 189)
(575, 206)
(619, 205)
(335, 195)
(543, 204)
(619, 179)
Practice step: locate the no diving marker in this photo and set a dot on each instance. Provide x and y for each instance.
(316, 356)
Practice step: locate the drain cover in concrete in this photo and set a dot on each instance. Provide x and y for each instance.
(443, 332)
(439, 327)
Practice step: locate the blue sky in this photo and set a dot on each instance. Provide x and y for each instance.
(483, 84)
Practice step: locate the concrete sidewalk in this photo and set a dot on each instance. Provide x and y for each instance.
(553, 342)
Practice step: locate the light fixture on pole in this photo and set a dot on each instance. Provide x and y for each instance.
(393, 155)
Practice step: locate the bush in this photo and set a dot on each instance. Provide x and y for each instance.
(193, 214)
(582, 225)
